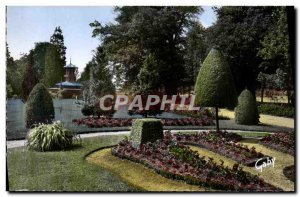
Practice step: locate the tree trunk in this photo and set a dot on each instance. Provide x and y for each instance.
(262, 95)
(217, 119)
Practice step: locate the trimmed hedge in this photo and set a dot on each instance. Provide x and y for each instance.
(39, 106)
(273, 109)
(146, 130)
(246, 112)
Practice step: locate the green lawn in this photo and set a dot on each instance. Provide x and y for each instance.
(62, 170)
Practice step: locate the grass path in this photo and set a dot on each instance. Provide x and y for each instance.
(138, 175)
(264, 119)
(271, 175)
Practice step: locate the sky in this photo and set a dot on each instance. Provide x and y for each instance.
(27, 25)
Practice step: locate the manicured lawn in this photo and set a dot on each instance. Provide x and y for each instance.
(62, 170)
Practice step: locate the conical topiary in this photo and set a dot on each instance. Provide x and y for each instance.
(39, 106)
(214, 86)
(246, 112)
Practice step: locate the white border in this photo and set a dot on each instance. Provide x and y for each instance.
(3, 3)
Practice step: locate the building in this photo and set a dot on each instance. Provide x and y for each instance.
(69, 88)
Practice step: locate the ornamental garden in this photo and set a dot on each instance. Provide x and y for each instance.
(159, 120)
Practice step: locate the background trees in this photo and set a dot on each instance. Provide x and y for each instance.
(147, 32)
(30, 78)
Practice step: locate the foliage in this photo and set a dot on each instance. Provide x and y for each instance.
(277, 109)
(144, 30)
(30, 78)
(246, 112)
(95, 110)
(176, 161)
(290, 172)
(148, 77)
(119, 122)
(214, 86)
(195, 53)
(57, 39)
(281, 141)
(39, 106)
(99, 82)
(146, 130)
(54, 67)
(50, 137)
(222, 143)
(238, 32)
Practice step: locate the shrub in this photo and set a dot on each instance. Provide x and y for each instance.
(50, 137)
(275, 109)
(246, 112)
(39, 106)
(214, 86)
(146, 130)
(87, 110)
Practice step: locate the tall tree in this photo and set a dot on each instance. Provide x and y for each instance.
(30, 78)
(54, 71)
(99, 82)
(141, 31)
(57, 39)
(275, 49)
(238, 32)
(195, 53)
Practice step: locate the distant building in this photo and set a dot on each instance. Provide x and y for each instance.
(69, 88)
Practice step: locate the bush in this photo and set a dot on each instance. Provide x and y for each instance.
(146, 130)
(277, 109)
(87, 110)
(246, 112)
(39, 106)
(50, 137)
(214, 86)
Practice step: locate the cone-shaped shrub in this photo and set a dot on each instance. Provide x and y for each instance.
(246, 112)
(214, 86)
(39, 106)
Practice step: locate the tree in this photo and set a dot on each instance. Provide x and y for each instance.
(30, 78)
(39, 107)
(214, 86)
(54, 69)
(99, 84)
(9, 74)
(246, 112)
(57, 39)
(275, 49)
(141, 31)
(195, 53)
(238, 32)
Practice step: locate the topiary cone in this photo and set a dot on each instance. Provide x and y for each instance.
(39, 106)
(246, 113)
(214, 86)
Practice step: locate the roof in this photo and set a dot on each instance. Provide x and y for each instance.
(70, 65)
(68, 84)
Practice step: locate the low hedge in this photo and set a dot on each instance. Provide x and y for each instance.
(146, 130)
(276, 109)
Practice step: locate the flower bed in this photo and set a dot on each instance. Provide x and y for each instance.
(283, 142)
(289, 172)
(176, 161)
(223, 143)
(118, 122)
